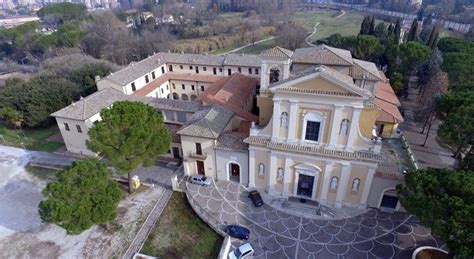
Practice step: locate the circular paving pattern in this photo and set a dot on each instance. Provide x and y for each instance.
(276, 234)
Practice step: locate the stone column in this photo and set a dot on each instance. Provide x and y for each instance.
(286, 180)
(292, 121)
(276, 119)
(251, 168)
(326, 181)
(272, 174)
(336, 121)
(367, 186)
(354, 128)
(342, 184)
(286, 70)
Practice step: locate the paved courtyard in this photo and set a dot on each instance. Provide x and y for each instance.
(276, 234)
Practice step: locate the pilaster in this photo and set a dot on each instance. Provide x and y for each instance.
(276, 119)
(326, 181)
(252, 166)
(342, 184)
(272, 174)
(292, 121)
(353, 132)
(287, 176)
(367, 186)
(336, 120)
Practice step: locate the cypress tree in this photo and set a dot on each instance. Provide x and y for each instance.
(396, 32)
(413, 31)
(372, 26)
(364, 25)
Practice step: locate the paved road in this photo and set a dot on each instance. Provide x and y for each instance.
(39, 157)
(275, 234)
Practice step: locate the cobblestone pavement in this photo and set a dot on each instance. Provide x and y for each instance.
(275, 234)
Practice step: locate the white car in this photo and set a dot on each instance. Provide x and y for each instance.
(201, 180)
(243, 251)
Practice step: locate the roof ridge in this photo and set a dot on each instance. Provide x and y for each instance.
(337, 54)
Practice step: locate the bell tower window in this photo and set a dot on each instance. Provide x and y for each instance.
(274, 75)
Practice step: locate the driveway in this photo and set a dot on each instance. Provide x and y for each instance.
(276, 234)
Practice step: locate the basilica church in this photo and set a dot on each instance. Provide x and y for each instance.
(306, 124)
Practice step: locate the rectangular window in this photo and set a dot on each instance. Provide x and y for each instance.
(169, 115)
(153, 76)
(202, 88)
(204, 68)
(167, 87)
(197, 70)
(174, 86)
(183, 86)
(162, 70)
(198, 149)
(182, 117)
(162, 91)
(78, 128)
(66, 126)
(192, 87)
(190, 67)
(181, 67)
(147, 79)
(170, 68)
(312, 130)
(229, 71)
(214, 70)
(239, 69)
(250, 70)
(133, 87)
(220, 69)
(256, 71)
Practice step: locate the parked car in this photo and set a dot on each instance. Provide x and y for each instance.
(243, 251)
(201, 180)
(256, 198)
(237, 232)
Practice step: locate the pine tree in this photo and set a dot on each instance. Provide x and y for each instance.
(364, 26)
(412, 34)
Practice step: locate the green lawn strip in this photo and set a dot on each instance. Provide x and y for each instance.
(34, 139)
(259, 47)
(181, 233)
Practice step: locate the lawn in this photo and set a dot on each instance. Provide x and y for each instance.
(34, 139)
(309, 19)
(259, 47)
(180, 233)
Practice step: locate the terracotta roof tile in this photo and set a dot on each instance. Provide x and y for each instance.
(231, 92)
(384, 91)
(323, 55)
(277, 52)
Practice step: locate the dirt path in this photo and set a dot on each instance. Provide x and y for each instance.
(315, 28)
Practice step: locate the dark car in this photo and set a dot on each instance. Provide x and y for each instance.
(237, 232)
(256, 198)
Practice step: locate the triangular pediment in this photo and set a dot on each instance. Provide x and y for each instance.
(322, 81)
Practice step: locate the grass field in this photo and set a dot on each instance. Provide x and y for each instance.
(259, 47)
(34, 139)
(180, 233)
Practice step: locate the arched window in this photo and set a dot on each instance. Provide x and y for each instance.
(175, 96)
(168, 96)
(184, 97)
(193, 97)
(313, 127)
(274, 75)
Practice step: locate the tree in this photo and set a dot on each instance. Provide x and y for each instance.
(433, 40)
(64, 11)
(129, 134)
(83, 195)
(291, 35)
(443, 200)
(13, 117)
(412, 34)
(397, 31)
(457, 130)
